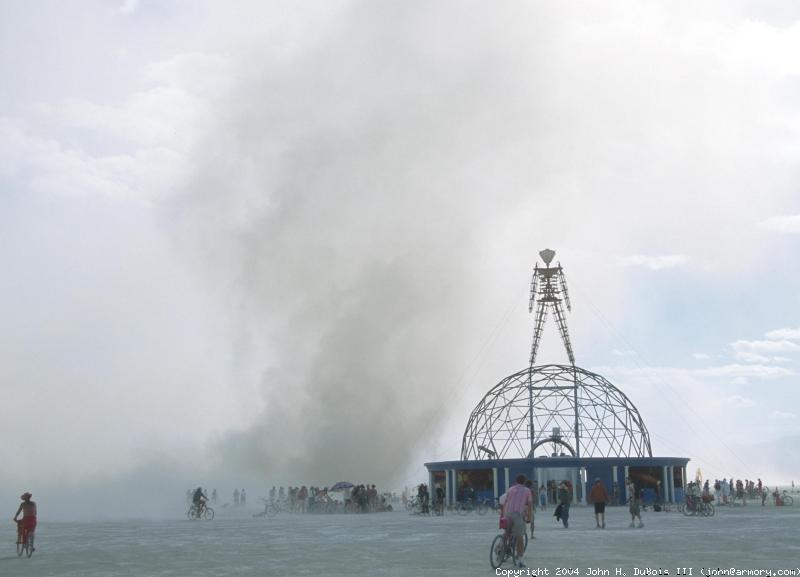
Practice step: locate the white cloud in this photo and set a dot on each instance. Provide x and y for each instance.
(785, 224)
(746, 371)
(784, 334)
(782, 415)
(654, 262)
(623, 353)
(760, 351)
(750, 357)
(147, 140)
(129, 6)
(772, 346)
(739, 401)
(701, 356)
(696, 376)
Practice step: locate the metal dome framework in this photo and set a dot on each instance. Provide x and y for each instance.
(565, 405)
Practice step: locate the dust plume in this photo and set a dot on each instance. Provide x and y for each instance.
(343, 210)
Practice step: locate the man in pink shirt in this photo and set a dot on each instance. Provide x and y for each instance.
(517, 507)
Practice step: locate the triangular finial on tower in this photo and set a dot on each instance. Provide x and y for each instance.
(547, 255)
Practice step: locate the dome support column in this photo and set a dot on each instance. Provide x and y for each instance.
(577, 413)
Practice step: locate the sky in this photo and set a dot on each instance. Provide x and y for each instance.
(282, 243)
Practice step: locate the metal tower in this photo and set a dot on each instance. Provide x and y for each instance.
(547, 286)
(563, 405)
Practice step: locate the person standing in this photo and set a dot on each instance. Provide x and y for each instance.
(439, 505)
(635, 511)
(543, 496)
(236, 497)
(599, 496)
(564, 500)
(517, 506)
(242, 498)
(630, 489)
(658, 501)
(302, 498)
(532, 489)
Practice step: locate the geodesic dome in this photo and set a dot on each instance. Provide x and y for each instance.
(609, 425)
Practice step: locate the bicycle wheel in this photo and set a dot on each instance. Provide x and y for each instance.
(787, 500)
(710, 509)
(273, 510)
(29, 546)
(208, 513)
(497, 554)
(191, 513)
(482, 509)
(688, 511)
(461, 509)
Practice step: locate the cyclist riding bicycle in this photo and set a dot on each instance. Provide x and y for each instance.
(518, 507)
(27, 526)
(199, 500)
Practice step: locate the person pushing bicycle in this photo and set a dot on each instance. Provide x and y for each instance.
(27, 525)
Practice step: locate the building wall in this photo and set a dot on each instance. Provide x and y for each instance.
(495, 475)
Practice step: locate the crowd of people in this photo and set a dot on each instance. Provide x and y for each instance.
(730, 492)
(637, 496)
(363, 498)
(200, 496)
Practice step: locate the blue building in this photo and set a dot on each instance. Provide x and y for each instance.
(663, 477)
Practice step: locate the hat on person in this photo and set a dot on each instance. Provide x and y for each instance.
(26, 496)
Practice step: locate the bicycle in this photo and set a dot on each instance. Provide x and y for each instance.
(271, 508)
(24, 541)
(504, 546)
(465, 507)
(275, 507)
(784, 498)
(200, 512)
(417, 506)
(698, 506)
